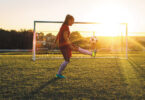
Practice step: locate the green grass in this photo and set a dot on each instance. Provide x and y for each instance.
(87, 79)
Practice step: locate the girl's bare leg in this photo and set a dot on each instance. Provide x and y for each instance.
(83, 51)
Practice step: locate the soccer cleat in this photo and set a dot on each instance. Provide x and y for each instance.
(60, 76)
(94, 53)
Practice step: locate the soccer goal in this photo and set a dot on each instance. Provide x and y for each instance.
(109, 39)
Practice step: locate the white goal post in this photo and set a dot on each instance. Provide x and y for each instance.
(45, 55)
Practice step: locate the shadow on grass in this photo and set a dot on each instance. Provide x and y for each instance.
(137, 67)
(36, 91)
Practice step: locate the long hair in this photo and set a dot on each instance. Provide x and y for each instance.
(67, 18)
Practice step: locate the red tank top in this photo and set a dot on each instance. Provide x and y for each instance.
(60, 36)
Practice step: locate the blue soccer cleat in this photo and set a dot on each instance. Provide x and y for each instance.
(60, 76)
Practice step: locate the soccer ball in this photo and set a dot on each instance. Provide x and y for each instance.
(93, 39)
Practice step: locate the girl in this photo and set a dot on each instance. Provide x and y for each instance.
(65, 45)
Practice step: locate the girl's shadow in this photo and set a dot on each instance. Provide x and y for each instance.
(36, 91)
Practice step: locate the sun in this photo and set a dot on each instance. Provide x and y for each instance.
(105, 29)
(109, 29)
(110, 16)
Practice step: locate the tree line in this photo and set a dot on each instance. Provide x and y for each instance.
(23, 39)
(16, 39)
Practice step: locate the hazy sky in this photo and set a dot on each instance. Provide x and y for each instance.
(20, 14)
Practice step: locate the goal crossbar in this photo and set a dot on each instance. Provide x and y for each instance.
(36, 21)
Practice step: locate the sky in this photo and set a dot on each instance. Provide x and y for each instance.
(20, 14)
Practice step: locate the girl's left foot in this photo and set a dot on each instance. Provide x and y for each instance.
(60, 76)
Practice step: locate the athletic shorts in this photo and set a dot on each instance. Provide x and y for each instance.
(66, 52)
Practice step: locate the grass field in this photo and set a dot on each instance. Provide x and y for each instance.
(87, 79)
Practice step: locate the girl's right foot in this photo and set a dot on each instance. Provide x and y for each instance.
(94, 53)
(60, 76)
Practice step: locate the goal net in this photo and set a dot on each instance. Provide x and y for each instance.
(109, 40)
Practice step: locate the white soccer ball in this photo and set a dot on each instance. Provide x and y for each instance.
(93, 39)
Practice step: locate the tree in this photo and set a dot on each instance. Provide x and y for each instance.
(16, 39)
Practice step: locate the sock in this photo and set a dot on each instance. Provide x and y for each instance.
(83, 51)
(62, 67)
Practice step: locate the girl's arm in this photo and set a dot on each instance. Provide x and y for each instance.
(65, 35)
